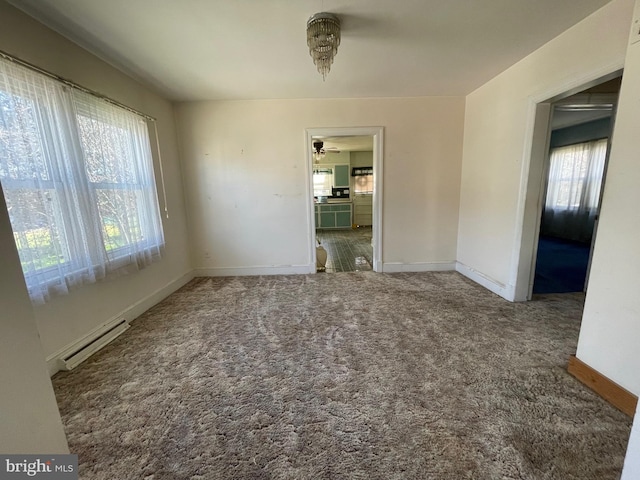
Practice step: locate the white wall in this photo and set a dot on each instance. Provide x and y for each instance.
(498, 116)
(29, 418)
(70, 317)
(361, 159)
(495, 147)
(244, 162)
(610, 334)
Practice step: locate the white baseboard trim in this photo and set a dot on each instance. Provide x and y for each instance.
(397, 267)
(505, 291)
(54, 361)
(254, 271)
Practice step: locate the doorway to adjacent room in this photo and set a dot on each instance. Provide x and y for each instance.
(569, 157)
(345, 196)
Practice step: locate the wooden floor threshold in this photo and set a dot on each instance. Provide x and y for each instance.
(616, 395)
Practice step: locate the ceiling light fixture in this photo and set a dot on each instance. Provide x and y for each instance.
(319, 151)
(586, 107)
(323, 39)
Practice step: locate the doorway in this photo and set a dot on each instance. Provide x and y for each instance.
(345, 192)
(574, 171)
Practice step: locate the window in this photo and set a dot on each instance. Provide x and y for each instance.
(322, 182)
(575, 176)
(77, 176)
(363, 179)
(573, 190)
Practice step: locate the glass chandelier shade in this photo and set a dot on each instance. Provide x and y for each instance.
(323, 39)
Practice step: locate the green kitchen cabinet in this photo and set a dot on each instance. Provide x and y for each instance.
(341, 176)
(328, 220)
(333, 215)
(343, 219)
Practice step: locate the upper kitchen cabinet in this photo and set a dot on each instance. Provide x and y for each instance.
(341, 176)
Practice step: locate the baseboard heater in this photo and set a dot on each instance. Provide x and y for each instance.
(90, 345)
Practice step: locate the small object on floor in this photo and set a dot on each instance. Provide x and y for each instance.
(361, 261)
(362, 264)
(321, 258)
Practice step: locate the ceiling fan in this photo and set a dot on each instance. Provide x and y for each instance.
(319, 151)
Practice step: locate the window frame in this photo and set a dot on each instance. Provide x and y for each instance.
(27, 89)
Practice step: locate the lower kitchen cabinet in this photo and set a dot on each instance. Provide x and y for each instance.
(363, 209)
(327, 220)
(333, 215)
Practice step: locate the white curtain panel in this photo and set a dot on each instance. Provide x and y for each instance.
(77, 175)
(573, 190)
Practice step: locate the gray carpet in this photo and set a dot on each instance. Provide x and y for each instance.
(342, 376)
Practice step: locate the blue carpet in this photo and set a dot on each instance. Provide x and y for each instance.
(561, 266)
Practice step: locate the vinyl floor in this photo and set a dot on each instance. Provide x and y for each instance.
(348, 250)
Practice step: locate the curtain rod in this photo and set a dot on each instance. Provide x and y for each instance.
(71, 84)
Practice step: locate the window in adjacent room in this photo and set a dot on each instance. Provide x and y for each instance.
(77, 176)
(575, 176)
(363, 179)
(573, 190)
(322, 182)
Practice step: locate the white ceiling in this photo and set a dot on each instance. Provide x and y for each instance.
(249, 49)
(592, 104)
(568, 119)
(347, 144)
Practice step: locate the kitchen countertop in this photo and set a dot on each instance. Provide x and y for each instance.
(334, 200)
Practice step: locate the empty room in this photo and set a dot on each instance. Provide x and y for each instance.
(171, 170)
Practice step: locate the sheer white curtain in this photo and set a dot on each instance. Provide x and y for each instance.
(119, 170)
(78, 179)
(573, 191)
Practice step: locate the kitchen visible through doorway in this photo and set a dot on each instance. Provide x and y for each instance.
(343, 188)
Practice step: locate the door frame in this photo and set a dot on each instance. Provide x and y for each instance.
(601, 194)
(378, 155)
(532, 180)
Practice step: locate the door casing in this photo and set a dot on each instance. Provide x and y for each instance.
(378, 153)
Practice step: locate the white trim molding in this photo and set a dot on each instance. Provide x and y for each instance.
(505, 291)
(254, 271)
(397, 267)
(522, 262)
(378, 157)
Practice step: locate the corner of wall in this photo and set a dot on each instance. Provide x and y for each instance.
(505, 291)
(130, 314)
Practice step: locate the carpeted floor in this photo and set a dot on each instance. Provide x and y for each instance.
(345, 376)
(561, 265)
